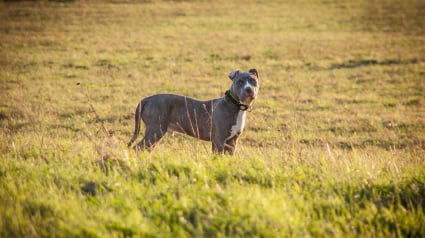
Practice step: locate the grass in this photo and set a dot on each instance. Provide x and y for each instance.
(335, 145)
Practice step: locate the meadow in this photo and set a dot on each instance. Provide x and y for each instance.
(334, 146)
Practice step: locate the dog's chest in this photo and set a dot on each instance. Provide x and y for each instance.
(238, 127)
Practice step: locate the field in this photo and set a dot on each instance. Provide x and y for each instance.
(334, 146)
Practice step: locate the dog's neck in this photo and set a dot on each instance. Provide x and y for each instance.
(233, 99)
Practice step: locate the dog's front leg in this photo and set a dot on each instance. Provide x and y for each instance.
(217, 147)
(222, 146)
(218, 144)
(230, 145)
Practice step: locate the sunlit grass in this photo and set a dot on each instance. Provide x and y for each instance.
(333, 147)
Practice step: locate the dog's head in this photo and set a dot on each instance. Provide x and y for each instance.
(245, 85)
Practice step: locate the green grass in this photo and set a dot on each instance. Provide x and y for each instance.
(334, 146)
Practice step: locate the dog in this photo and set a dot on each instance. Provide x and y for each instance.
(219, 120)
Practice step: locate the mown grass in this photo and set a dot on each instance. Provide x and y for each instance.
(334, 146)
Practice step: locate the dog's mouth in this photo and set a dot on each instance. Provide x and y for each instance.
(247, 100)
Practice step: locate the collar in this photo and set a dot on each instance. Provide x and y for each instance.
(233, 99)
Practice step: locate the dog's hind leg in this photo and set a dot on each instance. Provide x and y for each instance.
(153, 135)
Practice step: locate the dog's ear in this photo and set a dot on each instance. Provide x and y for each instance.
(233, 74)
(254, 72)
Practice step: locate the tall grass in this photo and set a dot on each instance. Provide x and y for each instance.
(333, 147)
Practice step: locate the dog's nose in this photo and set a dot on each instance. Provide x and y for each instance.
(249, 90)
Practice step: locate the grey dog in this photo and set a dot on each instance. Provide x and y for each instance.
(219, 120)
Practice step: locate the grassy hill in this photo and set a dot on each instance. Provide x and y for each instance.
(334, 146)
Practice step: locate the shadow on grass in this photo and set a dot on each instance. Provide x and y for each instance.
(370, 62)
(410, 195)
(388, 198)
(380, 143)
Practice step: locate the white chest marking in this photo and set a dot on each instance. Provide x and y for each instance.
(238, 127)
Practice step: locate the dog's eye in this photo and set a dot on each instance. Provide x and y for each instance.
(252, 82)
(240, 82)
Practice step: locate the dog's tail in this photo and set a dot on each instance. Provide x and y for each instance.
(137, 118)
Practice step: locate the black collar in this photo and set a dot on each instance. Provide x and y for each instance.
(233, 99)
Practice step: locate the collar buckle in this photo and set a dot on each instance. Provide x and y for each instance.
(243, 107)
